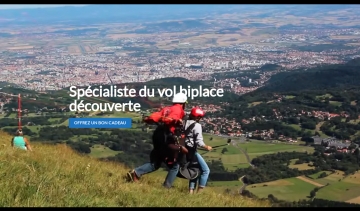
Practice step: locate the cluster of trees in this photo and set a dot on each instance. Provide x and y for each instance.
(37, 120)
(31, 105)
(341, 130)
(347, 162)
(322, 77)
(80, 146)
(25, 130)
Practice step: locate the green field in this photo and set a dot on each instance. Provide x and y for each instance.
(292, 189)
(340, 188)
(258, 148)
(289, 96)
(336, 187)
(100, 151)
(331, 178)
(261, 147)
(298, 128)
(303, 166)
(316, 175)
(335, 103)
(234, 158)
(53, 120)
(339, 191)
(322, 97)
(254, 103)
(225, 183)
(222, 186)
(357, 121)
(12, 115)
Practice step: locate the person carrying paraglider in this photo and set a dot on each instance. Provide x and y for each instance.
(165, 142)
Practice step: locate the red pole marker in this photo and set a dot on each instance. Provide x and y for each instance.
(19, 111)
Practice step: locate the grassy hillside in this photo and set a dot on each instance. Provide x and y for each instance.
(57, 176)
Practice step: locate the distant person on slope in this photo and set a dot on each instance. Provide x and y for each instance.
(19, 141)
(166, 148)
(194, 139)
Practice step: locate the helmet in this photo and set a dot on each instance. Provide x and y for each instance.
(180, 98)
(197, 112)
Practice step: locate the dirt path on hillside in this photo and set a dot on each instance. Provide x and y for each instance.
(309, 181)
(243, 186)
(235, 144)
(318, 126)
(355, 200)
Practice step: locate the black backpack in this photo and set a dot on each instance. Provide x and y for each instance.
(160, 136)
(190, 156)
(189, 167)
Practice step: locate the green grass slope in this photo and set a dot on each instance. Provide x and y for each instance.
(57, 176)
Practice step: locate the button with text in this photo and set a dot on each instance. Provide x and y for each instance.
(100, 123)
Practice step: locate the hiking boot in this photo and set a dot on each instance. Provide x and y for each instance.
(167, 186)
(132, 176)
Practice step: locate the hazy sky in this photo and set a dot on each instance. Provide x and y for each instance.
(20, 6)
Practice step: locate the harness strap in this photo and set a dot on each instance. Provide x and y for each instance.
(191, 155)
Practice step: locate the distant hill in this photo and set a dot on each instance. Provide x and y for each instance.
(172, 26)
(325, 77)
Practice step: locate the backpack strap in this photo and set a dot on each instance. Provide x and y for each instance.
(187, 131)
(190, 128)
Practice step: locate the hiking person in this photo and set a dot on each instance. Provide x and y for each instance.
(166, 148)
(21, 142)
(193, 140)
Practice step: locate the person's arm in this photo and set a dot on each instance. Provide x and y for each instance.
(27, 144)
(153, 118)
(199, 138)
